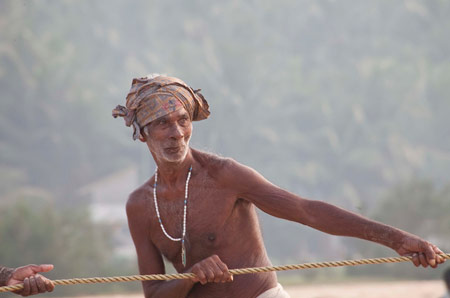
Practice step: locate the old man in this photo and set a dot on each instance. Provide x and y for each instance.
(199, 210)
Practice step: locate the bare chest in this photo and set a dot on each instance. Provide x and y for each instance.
(210, 223)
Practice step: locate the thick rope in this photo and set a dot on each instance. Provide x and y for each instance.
(91, 280)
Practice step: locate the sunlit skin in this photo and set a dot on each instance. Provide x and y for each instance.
(222, 225)
(170, 150)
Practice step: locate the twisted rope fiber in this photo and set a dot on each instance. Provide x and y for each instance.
(91, 280)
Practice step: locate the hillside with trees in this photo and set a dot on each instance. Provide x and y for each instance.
(345, 102)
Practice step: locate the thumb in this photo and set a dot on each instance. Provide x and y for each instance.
(23, 272)
(42, 268)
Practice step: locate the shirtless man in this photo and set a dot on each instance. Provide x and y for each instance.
(199, 210)
(33, 283)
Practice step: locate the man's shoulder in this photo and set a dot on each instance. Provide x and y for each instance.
(138, 197)
(214, 163)
(223, 169)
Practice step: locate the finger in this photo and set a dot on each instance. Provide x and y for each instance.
(439, 252)
(201, 277)
(423, 260)
(33, 286)
(224, 268)
(225, 272)
(209, 274)
(40, 284)
(41, 268)
(26, 287)
(430, 255)
(415, 259)
(440, 259)
(213, 267)
(49, 286)
(218, 273)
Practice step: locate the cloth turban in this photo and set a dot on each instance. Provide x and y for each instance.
(151, 98)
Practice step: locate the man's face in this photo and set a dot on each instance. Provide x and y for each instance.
(168, 137)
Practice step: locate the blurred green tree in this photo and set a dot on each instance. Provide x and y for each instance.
(33, 231)
(418, 207)
(332, 100)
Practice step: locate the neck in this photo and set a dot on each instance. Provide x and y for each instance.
(174, 173)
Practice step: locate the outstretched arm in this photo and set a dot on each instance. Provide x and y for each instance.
(326, 217)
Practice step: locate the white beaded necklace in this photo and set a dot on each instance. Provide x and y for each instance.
(186, 189)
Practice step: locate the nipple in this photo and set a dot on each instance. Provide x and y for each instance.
(211, 237)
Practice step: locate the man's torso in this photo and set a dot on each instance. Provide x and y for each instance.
(217, 222)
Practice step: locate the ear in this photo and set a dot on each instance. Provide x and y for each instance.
(143, 135)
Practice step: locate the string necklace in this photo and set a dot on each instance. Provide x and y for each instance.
(186, 190)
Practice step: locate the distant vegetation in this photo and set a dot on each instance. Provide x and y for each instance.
(346, 102)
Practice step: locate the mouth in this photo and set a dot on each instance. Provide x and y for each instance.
(175, 149)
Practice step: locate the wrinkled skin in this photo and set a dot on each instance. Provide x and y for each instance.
(222, 226)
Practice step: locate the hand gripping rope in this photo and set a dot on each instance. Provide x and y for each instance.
(91, 280)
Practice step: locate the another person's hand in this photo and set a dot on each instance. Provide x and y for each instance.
(33, 283)
(211, 269)
(422, 252)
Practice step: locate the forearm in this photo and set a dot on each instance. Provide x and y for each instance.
(336, 221)
(5, 275)
(173, 288)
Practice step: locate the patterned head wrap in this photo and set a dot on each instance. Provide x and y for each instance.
(153, 97)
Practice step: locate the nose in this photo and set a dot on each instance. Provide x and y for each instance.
(176, 131)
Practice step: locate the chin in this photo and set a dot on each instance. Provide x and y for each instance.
(176, 158)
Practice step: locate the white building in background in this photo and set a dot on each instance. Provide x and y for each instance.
(108, 197)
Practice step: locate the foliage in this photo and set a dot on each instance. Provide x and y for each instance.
(331, 100)
(50, 116)
(418, 207)
(341, 97)
(33, 231)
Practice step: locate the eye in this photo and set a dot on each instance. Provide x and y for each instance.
(183, 121)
